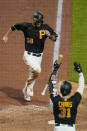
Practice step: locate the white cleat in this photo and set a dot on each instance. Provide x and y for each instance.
(30, 91)
(24, 90)
(26, 97)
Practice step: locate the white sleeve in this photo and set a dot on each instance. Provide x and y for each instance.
(80, 88)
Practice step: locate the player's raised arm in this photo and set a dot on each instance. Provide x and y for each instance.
(53, 37)
(52, 79)
(17, 26)
(78, 69)
(51, 33)
(5, 37)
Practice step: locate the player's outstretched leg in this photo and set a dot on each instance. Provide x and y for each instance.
(28, 89)
(34, 64)
(26, 96)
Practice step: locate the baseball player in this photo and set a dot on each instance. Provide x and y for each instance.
(35, 34)
(64, 105)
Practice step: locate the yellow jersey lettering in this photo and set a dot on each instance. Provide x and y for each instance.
(65, 104)
(42, 33)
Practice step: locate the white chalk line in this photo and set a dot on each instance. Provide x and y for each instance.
(58, 31)
(15, 107)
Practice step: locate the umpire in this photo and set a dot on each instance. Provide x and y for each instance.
(64, 106)
(35, 34)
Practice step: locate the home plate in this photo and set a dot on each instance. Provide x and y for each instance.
(51, 122)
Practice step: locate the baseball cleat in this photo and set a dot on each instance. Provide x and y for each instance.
(27, 98)
(27, 91)
(30, 91)
(24, 91)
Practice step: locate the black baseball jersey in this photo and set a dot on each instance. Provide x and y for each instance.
(65, 110)
(34, 37)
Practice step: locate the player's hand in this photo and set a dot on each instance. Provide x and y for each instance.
(77, 67)
(47, 33)
(5, 39)
(52, 78)
(56, 65)
(53, 37)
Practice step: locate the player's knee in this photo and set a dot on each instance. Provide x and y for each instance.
(38, 70)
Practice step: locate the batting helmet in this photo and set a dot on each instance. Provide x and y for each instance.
(65, 88)
(38, 17)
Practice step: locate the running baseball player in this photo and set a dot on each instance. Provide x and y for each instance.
(65, 106)
(35, 34)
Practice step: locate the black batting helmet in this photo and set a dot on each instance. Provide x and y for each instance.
(65, 88)
(38, 17)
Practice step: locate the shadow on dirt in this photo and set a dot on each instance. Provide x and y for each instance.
(17, 98)
(13, 93)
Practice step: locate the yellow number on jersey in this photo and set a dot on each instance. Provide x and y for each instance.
(30, 40)
(64, 112)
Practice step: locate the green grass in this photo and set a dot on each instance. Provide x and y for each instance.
(78, 51)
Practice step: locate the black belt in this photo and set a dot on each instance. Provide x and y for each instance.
(34, 54)
(57, 124)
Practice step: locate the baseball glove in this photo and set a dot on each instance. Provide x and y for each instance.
(77, 67)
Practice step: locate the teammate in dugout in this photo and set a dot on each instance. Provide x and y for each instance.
(64, 105)
(35, 34)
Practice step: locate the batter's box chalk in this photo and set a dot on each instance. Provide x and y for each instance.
(51, 122)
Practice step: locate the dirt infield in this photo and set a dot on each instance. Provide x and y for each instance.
(13, 71)
(36, 118)
(15, 113)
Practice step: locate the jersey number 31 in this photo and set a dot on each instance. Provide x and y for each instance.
(64, 112)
